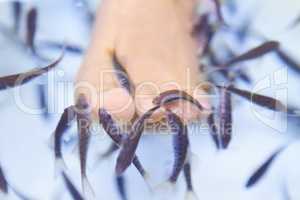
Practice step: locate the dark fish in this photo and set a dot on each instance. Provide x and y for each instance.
(58, 46)
(254, 53)
(295, 23)
(122, 75)
(114, 131)
(203, 32)
(3, 182)
(174, 95)
(130, 143)
(17, 10)
(42, 93)
(225, 115)
(31, 27)
(180, 143)
(64, 123)
(243, 76)
(190, 194)
(219, 11)
(4, 186)
(262, 170)
(120, 182)
(213, 130)
(22, 78)
(71, 188)
(289, 61)
(258, 99)
(83, 124)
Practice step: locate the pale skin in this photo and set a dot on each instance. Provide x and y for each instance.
(153, 42)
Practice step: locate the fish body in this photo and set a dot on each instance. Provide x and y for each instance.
(180, 143)
(171, 96)
(130, 143)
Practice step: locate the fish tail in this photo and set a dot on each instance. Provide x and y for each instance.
(149, 182)
(87, 189)
(60, 166)
(166, 187)
(190, 195)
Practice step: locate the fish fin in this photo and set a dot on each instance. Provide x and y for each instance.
(60, 166)
(166, 187)
(190, 195)
(87, 189)
(149, 182)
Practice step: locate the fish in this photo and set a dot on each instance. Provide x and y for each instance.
(122, 75)
(219, 11)
(120, 182)
(261, 100)
(130, 143)
(225, 115)
(5, 186)
(115, 133)
(171, 96)
(31, 27)
(17, 11)
(71, 188)
(3, 182)
(71, 48)
(266, 47)
(14, 80)
(180, 144)
(295, 22)
(63, 125)
(213, 130)
(190, 193)
(203, 32)
(288, 60)
(43, 101)
(263, 169)
(84, 121)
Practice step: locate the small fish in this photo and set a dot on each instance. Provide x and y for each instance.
(11, 81)
(64, 123)
(71, 48)
(114, 131)
(43, 100)
(295, 23)
(219, 11)
(180, 143)
(71, 188)
(5, 186)
(3, 182)
(243, 76)
(254, 53)
(122, 75)
(174, 95)
(262, 170)
(17, 11)
(258, 99)
(31, 27)
(130, 143)
(213, 130)
(120, 182)
(225, 115)
(83, 124)
(288, 60)
(190, 194)
(203, 32)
